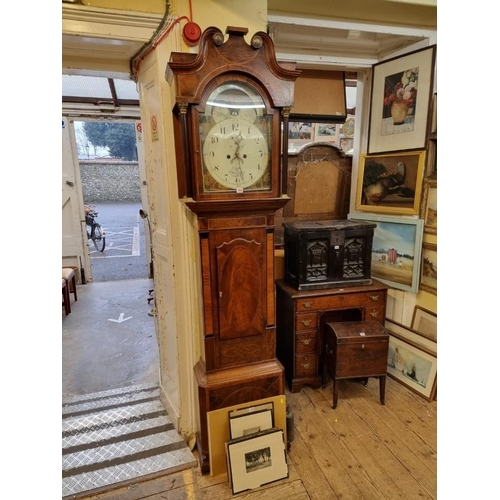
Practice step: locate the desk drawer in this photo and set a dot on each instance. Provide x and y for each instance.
(306, 342)
(340, 301)
(306, 321)
(375, 314)
(305, 364)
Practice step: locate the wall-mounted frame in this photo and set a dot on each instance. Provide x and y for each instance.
(348, 127)
(428, 206)
(412, 336)
(256, 460)
(347, 145)
(412, 366)
(396, 250)
(425, 322)
(390, 183)
(428, 278)
(401, 96)
(326, 132)
(243, 425)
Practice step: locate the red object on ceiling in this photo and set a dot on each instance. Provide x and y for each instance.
(191, 33)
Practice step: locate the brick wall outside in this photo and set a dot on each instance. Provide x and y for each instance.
(110, 181)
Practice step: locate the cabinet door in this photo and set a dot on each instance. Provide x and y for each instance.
(240, 285)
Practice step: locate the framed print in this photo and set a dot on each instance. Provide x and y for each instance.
(390, 183)
(348, 127)
(396, 250)
(243, 425)
(256, 460)
(425, 322)
(300, 131)
(250, 409)
(410, 335)
(400, 103)
(218, 427)
(428, 206)
(347, 145)
(326, 132)
(412, 366)
(428, 279)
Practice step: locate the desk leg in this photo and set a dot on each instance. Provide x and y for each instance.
(335, 392)
(382, 388)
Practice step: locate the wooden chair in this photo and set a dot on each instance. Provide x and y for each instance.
(69, 275)
(65, 297)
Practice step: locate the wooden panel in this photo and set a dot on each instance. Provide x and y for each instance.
(271, 318)
(319, 92)
(316, 189)
(207, 286)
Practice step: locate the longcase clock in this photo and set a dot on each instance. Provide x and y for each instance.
(230, 121)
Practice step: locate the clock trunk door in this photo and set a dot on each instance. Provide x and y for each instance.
(241, 286)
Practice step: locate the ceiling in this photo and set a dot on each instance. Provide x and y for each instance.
(102, 43)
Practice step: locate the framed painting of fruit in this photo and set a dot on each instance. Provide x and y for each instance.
(401, 96)
(390, 183)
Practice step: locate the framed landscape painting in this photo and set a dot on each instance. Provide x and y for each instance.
(412, 366)
(428, 279)
(428, 208)
(396, 250)
(401, 96)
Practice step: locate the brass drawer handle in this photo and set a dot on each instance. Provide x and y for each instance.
(306, 341)
(374, 298)
(306, 365)
(374, 314)
(306, 322)
(308, 303)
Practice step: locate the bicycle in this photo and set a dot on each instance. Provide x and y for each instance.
(94, 229)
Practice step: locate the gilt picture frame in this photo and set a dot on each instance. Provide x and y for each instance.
(428, 278)
(256, 460)
(428, 206)
(424, 322)
(411, 335)
(401, 97)
(396, 250)
(412, 366)
(391, 183)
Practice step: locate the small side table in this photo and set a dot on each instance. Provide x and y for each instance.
(355, 349)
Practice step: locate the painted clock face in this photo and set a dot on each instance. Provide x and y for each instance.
(235, 134)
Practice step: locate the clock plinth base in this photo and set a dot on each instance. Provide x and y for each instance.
(233, 386)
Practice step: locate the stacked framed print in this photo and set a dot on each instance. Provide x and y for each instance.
(250, 420)
(256, 459)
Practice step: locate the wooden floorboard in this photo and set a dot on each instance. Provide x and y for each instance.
(361, 450)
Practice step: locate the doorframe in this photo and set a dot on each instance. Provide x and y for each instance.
(72, 113)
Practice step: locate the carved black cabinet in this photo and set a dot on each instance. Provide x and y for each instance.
(325, 254)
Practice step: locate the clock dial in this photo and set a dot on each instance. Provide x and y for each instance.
(236, 153)
(236, 139)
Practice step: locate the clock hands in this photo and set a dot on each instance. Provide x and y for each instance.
(236, 171)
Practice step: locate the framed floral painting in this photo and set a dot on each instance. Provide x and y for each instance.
(401, 96)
